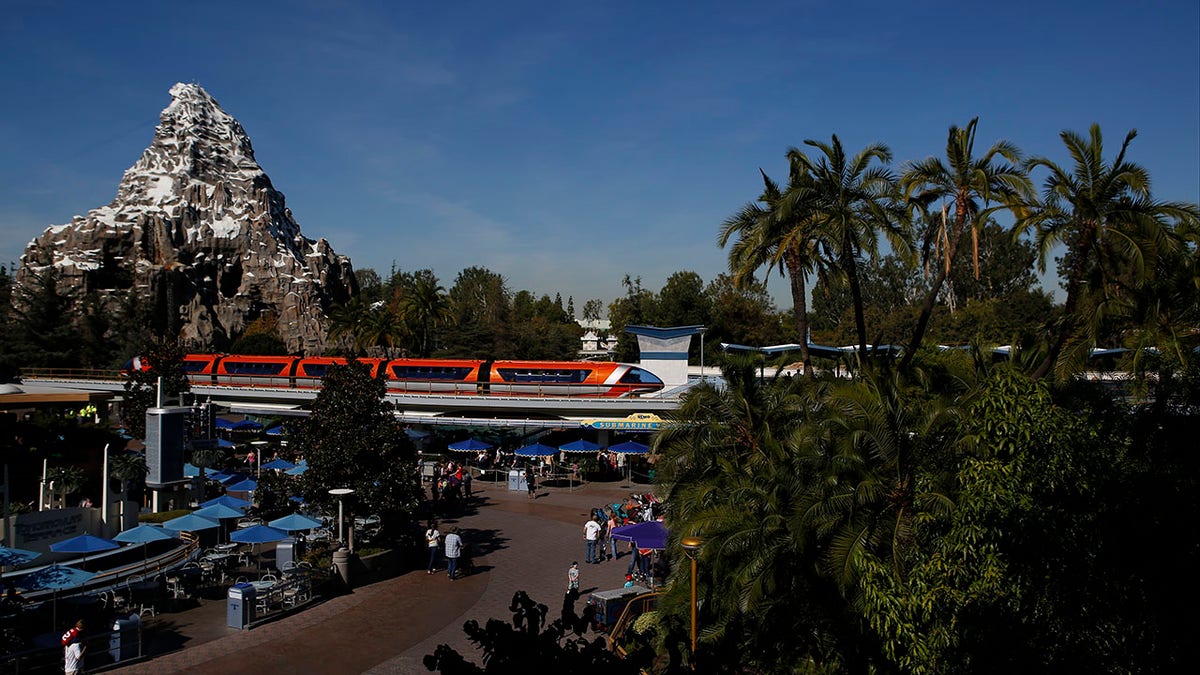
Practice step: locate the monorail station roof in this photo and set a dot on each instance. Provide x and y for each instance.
(28, 396)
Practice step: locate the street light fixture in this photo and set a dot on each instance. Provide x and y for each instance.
(691, 546)
(340, 493)
(258, 451)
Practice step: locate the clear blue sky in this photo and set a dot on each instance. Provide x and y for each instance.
(564, 145)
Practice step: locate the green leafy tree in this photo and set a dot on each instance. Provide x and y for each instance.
(42, 312)
(635, 309)
(742, 314)
(1113, 230)
(65, 480)
(850, 202)
(130, 470)
(165, 357)
(423, 307)
(351, 440)
(779, 233)
(970, 184)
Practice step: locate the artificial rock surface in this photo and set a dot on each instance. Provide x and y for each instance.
(197, 226)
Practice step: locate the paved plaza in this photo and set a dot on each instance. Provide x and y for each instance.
(389, 626)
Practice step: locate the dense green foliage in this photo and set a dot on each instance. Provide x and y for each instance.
(351, 440)
(949, 520)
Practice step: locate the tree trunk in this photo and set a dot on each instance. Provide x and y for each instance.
(860, 322)
(943, 271)
(1067, 327)
(800, 309)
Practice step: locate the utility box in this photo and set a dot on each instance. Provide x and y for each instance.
(239, 610)
(286, 553)
(123, 641)
(610, 604)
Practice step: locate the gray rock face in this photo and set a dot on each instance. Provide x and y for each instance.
(196, 225)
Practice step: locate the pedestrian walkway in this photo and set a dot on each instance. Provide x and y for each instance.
(389, 626)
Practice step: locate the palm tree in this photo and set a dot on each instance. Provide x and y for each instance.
(346, 322)
(127, 467)
(850, 203)
(880, 437)
(1112, 227)
(424, 306)
(64, 480)
(777, 238)
(966, 181)
(734, 473)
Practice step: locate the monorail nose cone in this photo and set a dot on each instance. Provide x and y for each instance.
(10, 389)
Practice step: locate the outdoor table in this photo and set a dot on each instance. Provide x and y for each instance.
(225, 548)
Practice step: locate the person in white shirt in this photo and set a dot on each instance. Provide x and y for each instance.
(433, 541)
(453, 550)
(591, 533)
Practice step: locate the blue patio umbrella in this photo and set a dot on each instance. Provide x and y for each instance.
(536, 450)
(650, 534)
(297, 470)
(219, 476)
(226, 500)
(259, 534)
(630, 448)
(224, 424)
(276, 431)
(144, 534)
(247, 485)
(218, 512)
(277, 463)
(470, 445)
(247, 425)
(295, 522)
(84, 543)
(225, 443)
(16, 556)
(190, 470)
(231, 478)
(191, 523)
(416, 434)
(580, 445)
(54, 578)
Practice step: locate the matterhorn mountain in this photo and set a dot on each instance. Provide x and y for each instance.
(197, 228)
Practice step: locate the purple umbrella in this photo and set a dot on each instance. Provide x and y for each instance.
(650, 534)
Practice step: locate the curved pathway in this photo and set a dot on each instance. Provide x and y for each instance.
(388, 627)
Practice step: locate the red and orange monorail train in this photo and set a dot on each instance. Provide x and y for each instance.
(428, 376)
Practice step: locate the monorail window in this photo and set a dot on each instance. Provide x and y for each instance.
(640, 376)
(545, 376)
(252, 368)
(429, 373)
(194, 366)
(316, 369)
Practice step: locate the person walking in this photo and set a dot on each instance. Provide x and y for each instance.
(433, 541)
(573, 580)
(530, 483)
(612, 525)
(591, 532)
(453, 551)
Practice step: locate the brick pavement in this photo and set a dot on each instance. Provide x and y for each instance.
(389, 626)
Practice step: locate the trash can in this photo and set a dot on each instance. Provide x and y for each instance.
(516, 480)
(610, 604)
(285, 553)
(239, 610)
(123, 642)
(341, 563)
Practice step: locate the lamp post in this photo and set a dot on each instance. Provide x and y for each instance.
(691, 546)
(258, 451)
(340, 493)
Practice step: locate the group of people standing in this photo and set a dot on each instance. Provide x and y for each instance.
(597, 536)
(451, 483)
(455, 549)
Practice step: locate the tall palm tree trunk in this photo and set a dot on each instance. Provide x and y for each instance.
(800, 310)
(943, 272)
(1066, 327)
(860, 322)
